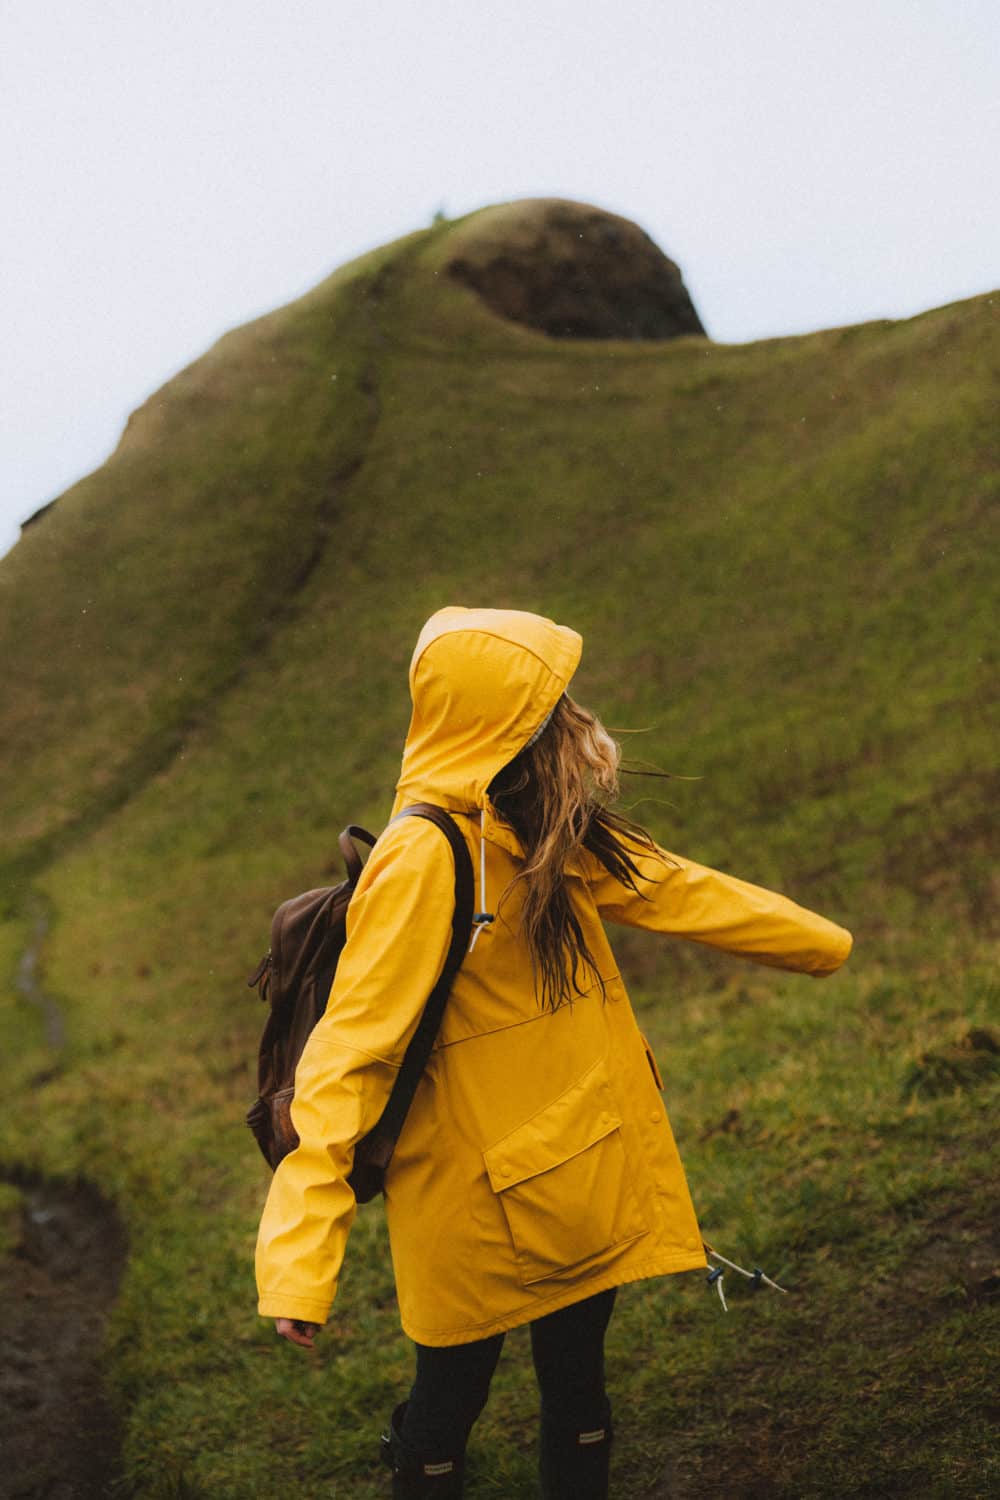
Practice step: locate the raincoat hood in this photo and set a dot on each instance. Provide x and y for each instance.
(483, 682)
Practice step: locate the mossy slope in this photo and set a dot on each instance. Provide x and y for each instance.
(781, 558)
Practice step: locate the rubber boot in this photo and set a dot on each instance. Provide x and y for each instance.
(416, 1476)
(573, 1464)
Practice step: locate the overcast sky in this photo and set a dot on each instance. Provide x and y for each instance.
(172, 168)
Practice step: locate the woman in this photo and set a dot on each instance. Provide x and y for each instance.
(536, 1172)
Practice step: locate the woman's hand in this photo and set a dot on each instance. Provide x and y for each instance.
(297, 1332)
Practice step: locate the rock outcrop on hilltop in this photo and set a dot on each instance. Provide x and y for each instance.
(572, 271)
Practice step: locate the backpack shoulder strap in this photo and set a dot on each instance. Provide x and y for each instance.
(419, 1050)
(352, 859)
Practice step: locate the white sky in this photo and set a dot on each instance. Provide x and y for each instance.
(172, 168)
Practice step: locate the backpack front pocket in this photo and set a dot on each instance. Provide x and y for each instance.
(563, 1182)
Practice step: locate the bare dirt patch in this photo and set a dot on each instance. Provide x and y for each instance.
(60, 1434)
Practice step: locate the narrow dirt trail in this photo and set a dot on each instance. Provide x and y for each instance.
(59, 1438)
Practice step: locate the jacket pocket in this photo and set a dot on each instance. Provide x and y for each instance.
(652, 1062)
(563, 1182)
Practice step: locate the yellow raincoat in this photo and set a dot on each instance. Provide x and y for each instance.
(537, 1165)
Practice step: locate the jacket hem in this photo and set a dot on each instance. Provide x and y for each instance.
(439, 1338)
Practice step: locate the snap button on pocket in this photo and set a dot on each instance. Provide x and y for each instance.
(654, 1115)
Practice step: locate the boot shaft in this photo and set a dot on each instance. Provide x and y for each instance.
(574, 1464)
(417, 1476)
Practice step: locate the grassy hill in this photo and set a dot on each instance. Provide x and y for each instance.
(782, 559)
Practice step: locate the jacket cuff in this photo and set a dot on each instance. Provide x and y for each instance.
(837, 955)
(278, 1305)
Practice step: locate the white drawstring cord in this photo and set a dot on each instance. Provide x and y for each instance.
(715, 1275)
(482, 918)
(714, 1278)
(756, 1275)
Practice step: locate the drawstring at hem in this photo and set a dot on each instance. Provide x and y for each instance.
(756, 1277)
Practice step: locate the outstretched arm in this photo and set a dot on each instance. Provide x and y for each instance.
(684, 899)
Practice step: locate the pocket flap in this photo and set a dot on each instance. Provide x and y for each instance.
(580, 1117)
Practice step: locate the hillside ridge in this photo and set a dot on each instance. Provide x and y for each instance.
(170, 616)
(780, 557)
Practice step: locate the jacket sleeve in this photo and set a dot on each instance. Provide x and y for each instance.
(684, 899)
(398, 933)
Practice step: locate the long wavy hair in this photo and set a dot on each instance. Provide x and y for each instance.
(556, 795)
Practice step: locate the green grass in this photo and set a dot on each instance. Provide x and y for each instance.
(781, 559)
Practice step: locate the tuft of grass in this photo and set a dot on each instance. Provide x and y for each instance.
(973, 1059)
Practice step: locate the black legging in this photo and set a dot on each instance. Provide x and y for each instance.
(452, 1384)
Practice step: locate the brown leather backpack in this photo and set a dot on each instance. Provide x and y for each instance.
(308, 934)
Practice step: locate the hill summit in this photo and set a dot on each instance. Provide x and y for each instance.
(572, 271)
